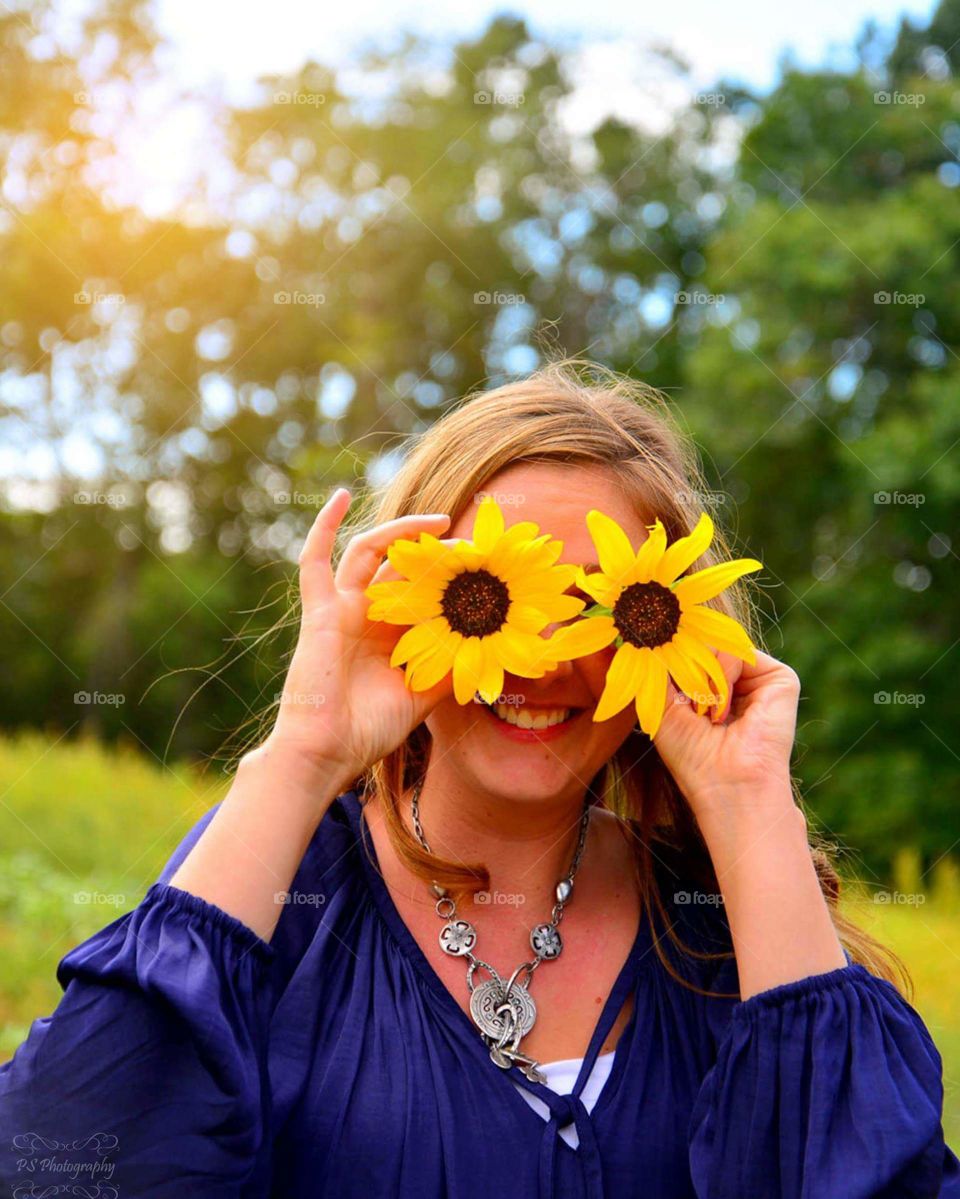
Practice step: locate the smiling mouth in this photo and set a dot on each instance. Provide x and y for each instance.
(526, 718)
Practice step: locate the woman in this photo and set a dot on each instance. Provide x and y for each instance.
(278, 1017)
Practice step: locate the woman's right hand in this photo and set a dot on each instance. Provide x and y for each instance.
(343, 706)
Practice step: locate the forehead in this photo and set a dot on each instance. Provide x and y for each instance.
(557, 497)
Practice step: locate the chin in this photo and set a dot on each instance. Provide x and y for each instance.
(518, 781)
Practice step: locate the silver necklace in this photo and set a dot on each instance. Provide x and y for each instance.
(503, 1011)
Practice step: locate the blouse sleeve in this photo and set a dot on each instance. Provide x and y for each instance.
(826, 1086)
(151, 1072)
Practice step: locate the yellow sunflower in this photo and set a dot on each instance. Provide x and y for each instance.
(476, 607)
(658, 621)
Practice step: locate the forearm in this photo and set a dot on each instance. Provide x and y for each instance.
(253, 846)
(778, 917)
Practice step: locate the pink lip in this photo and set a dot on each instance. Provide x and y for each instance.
(530, 735)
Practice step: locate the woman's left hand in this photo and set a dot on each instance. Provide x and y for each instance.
(743, 759)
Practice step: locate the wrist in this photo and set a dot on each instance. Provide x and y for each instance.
(733, 825)
(316, 777)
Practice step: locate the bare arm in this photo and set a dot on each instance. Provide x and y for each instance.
(343, 707)
(250, 851)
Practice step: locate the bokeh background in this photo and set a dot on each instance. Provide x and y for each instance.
(240, 265)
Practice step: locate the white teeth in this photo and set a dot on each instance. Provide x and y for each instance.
(525, 719)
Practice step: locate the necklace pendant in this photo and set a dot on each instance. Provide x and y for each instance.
(531, 1071)
(458, 937)
(499, 1018)
(546, 941)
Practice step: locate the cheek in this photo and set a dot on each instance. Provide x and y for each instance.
(594, 669)
(448, 719)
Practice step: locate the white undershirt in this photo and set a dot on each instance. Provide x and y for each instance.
(561, 1075)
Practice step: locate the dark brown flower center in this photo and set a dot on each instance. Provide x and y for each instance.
(475, 603)
(647, 614)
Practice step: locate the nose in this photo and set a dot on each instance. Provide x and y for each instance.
(562, 669)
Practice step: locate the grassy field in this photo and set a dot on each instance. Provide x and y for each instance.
(84, 831)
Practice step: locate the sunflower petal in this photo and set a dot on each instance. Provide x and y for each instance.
(614, 551)
(684, 552)
(514, 539)
(563, 607)
(468, 556)
(527, 618)
(400, 602)
(706, 659)
(649, 554)
(687, 675)
(491, 678)
(521, 653)
(599, 586)
(487, 525)
(705, 584)
(421, 560)
(583, 637)
(428, 670)
(719, 631)
(420, 639)
(541, 586)
(467, 669)
(651, 697)
(622, 683)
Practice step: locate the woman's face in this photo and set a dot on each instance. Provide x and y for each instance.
(488, 754)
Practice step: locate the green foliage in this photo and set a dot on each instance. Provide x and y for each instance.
(354, 259)
(84, 831)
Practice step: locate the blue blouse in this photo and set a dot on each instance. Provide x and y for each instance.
(188, 1057)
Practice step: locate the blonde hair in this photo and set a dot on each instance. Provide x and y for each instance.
(574, 412)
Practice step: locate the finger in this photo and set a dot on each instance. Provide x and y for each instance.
(677, 699)
(386, 572)
(752, 678)
(316, 574)
(731, 667)
(364, 552)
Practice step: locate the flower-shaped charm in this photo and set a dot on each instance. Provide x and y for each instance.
(458, 937)
(545, 939)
